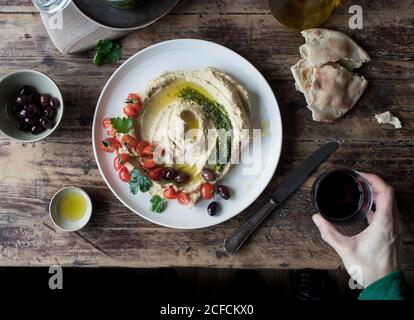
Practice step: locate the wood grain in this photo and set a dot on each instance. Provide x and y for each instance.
(31, 173)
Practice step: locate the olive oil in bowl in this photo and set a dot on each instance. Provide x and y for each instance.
(70, 209)
(302, 14)
(72, 206)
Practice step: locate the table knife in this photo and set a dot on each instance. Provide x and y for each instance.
(233, 242)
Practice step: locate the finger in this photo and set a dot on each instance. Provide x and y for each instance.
(378, 185)
(383, 196)
(370, 217)
(329, 234)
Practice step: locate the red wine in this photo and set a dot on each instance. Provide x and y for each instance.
(342, 194)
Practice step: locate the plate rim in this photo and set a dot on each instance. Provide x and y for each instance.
(125, 29)
(94, 144)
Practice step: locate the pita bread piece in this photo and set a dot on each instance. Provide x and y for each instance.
(388, 118)
(330, 90)
(334, 91)
(303, 74)
(324, 46)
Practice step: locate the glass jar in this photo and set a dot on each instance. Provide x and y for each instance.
(50, 6)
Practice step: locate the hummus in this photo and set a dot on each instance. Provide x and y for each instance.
(197, 117)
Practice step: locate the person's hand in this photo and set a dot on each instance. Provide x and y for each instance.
(376, 250)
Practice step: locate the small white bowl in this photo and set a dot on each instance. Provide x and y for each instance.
(63, 224)
(9, 85)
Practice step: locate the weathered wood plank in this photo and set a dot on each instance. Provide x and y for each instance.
(30, 174)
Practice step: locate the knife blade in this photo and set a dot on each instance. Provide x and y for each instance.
(234, 241)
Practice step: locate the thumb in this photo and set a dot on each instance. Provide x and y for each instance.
(329, 233)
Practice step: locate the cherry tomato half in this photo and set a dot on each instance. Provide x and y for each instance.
(107, 123)
(135, 101)
(149, 150)
(140, 147)
(108, 127)
(156, 174)
(109, 145)
(206, 190)
(170, 193)
(120, 161)
(183, 198)
(130, 111)
(147, 163)
(124, 174)
(129, 142)
(133, 98)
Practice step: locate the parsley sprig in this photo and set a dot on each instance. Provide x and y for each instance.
(121, 125)
(139, 182)
(107, 51)
(158, 204)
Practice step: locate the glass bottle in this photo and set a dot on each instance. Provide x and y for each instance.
(302, 14)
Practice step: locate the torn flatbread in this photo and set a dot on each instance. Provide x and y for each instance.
(330, 90)
(325, 46)
(388, 118)
(303, 75)
(324, 74)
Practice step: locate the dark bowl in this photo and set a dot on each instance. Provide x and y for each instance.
(124, 4)
(124, 15)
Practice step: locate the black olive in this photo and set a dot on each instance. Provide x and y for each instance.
(26, 90)
(46, 123)
(49, 112)
(22, 114)
(223, 191)
(22, 126)
(182, 177)
(213, 208)
(170, 174)
(54, 103)
(21, 100)
(44, 100)
(34, 98)
(17, 109)
(31, 109)
(208, 174)
(30, 121)
(37, 129)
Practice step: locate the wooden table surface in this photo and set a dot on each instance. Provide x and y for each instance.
(31, 173)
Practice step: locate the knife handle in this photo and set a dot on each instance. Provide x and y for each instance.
(234, 241)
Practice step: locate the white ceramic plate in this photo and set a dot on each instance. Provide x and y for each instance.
(185, 54)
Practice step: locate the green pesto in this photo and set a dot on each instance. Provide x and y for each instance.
(215, 112)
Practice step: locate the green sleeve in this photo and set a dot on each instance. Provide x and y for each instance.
(390, 287)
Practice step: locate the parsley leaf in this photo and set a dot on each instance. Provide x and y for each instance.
(158, 204)
(138, 182)
(121, 125)
(115, 54)
(107, 51)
